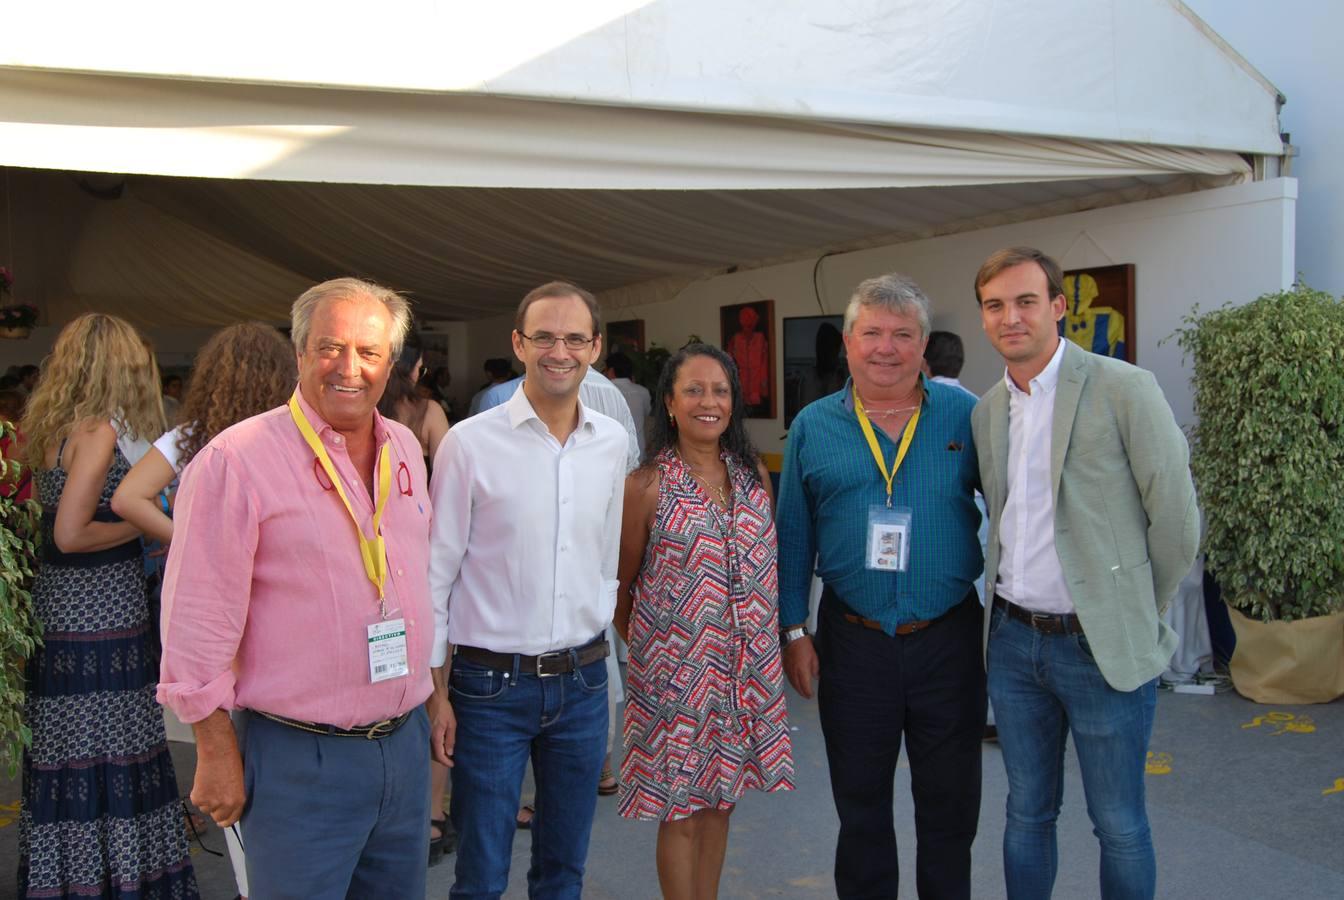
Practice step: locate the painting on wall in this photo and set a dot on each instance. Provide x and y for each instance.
(625, 333)
(814, 361)
(749, 338)
(1099, 310)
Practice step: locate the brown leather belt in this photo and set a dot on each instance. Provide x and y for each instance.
(547, 665)
(903, 629)
(372, 732)
(1045, 623)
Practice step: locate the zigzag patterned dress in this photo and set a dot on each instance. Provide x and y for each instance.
(705, 719)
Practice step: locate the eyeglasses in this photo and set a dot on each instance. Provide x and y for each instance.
(544, 341)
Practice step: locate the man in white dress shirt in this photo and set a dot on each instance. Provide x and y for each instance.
(523, 551)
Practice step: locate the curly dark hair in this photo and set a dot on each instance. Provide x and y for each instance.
(663, 432)
(242, 371)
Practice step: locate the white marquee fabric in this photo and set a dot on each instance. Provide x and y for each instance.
(464, 154)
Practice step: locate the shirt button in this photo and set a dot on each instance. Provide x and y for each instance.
(337, 439)
(564, 500)
(399, 572)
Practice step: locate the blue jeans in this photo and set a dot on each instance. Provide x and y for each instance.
(335, 817)
(1043, 687)
(503, 718)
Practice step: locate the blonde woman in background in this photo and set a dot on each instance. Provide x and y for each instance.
(100, 810)
(241, 371)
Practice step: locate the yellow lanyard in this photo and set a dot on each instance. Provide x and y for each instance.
(906, 437)
(374, 552)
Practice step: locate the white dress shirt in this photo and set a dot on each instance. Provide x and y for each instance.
(526, 533)
(595, 392)
(640, 403)
(1029, 571)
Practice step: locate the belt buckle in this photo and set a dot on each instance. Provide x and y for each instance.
(541, 659)
(379, 730)
(1040, 621)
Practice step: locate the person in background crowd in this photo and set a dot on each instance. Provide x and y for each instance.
(29, 375)
(523, 574)
(297, 590)
(403, 403)
(497, 371)
(620, 370)
(100, 810)
(944, 357)
(172, 398)
(251, 369)
(1087, 544)
(878, 489)
(705, 720)
(426, 419)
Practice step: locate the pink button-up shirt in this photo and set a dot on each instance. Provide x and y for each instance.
(266, 605)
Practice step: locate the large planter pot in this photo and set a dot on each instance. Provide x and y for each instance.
(1288, 662)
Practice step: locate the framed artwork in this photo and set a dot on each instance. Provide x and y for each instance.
(625, 333)
(749, 338)
(814, 361)
(1099, 310)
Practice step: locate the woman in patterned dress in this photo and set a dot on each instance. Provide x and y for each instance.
(698, 604)
(100, 814)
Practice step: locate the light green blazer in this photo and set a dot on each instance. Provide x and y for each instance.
(1126, 523)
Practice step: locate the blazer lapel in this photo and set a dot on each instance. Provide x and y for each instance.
(998, 443)
(1072, 374)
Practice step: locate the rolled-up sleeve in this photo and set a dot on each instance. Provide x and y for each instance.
(207, 588)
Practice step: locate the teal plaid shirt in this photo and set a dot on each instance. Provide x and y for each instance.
(829, 481)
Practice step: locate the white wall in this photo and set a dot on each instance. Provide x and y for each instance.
(1294, 43)
(1228, 244)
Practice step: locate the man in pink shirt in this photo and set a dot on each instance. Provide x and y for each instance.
(297, 590)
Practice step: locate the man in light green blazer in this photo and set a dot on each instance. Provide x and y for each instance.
(1093, 524)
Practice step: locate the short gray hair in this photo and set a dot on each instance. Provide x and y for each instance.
(301, 313)
(893, 292)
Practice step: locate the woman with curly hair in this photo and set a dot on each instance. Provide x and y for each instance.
(243, 370)
(100, 812)
(698, 604)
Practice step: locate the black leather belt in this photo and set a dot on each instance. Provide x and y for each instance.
(1045, 623)
(546, 665)
(372, 732)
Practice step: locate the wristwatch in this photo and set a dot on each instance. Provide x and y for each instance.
(789, 635)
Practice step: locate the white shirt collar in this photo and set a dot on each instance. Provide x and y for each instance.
(1046, 379)
(520, 410)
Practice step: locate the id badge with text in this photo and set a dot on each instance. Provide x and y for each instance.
(387, 650)
(888, 538)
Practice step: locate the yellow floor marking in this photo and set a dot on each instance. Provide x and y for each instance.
(1158, 763)
(1337, 789)
(1283, 722)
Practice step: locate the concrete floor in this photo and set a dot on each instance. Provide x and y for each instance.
(1238, 810)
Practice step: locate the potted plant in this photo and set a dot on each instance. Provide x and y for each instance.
(20, 632)
(1268, 460)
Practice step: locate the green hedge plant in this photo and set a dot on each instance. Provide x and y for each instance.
(20, 632)
(1268, 454)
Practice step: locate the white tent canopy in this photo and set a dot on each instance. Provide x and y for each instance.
(466, 154)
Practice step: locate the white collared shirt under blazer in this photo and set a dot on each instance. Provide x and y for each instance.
(526, 532)
(1126, 527)
(1029, 571)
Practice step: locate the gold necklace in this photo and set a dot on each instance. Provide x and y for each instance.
(714, 490)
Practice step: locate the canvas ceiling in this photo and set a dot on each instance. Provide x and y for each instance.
(631, 152)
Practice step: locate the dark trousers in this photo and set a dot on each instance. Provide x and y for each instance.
(930, 687)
